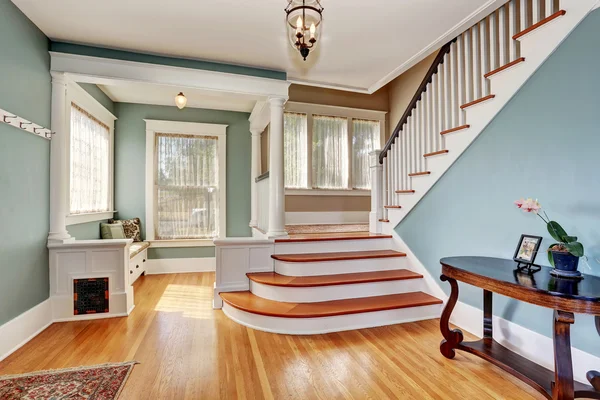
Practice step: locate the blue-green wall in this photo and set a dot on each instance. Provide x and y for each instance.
(130, 161)
(62, 47)
(543, 144)
(99, 95)
(25, 90)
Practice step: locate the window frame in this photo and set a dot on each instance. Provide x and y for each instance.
(76, 94)
(187, 128)
(333, 111)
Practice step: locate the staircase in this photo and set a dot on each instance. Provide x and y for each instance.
(470, 81)
(332, 283)
(350, 281)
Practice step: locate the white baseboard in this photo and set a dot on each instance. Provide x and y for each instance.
(527, 343)
(321, 218)
(180, 265)
(20, 330)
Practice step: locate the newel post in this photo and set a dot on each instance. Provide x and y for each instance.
(376, 170)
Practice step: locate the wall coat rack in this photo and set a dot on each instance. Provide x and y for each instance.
(14, 120)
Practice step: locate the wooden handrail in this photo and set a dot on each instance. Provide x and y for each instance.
(439, 59)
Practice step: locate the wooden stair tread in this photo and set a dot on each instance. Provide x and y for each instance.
(313, 237)
(505, 66)
(246, 301)
(384, 220)
(405, 191)
(456, 129)
(420, 173)
(436, 153)
(338, 256)
(392, 206)
(480, 100)
(275, 279)
(538, 24)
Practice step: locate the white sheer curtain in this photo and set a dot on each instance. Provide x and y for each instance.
(187, 187)
(90, 163)
(365, 138)
(330, 152)
(295, 144)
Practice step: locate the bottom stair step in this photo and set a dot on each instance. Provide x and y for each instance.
(248, 302)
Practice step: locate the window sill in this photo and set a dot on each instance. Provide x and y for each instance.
(75, 219)
(326, 192)
(181, 243)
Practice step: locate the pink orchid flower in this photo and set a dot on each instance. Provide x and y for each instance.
(531, 205)
(519, 203)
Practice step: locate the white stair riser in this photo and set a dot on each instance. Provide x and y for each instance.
(339, 267)
(331, 246)
(335, 292)
(311, 326)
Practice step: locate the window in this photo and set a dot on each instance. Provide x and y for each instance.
(295, 144)
(330, 152)
(185, 183)
(339, 139)
(187, 187)
(90, 167)
(365, 139)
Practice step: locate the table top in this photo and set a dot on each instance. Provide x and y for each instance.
(501, 276)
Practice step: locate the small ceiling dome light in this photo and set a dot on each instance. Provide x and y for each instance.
(180, 100)
(303, 19)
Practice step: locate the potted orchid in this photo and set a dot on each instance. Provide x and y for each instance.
(563, 255)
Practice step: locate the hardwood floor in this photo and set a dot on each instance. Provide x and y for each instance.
(187, 350)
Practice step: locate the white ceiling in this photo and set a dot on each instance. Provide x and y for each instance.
(365, 43)
(145, 93)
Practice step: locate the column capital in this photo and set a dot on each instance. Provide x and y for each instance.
(256, 131)
(59, 78)
(374, 159)
(277, 101)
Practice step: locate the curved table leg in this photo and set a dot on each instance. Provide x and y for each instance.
(452, 337)
(563, 364)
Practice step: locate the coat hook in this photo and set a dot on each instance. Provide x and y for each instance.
(49, 134)
(24, 123)
(7, 116)
(35, 130)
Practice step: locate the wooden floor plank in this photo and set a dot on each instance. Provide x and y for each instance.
(187, 350)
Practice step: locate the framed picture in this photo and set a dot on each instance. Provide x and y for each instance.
(527, 249)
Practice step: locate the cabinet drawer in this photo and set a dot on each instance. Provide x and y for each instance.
(137, 265)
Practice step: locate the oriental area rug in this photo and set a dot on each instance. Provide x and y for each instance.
(96, 382)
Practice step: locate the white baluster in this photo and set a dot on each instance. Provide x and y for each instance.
(460, 73)
(468, 68)
(384, 187)
(485, 66)
(427, 120)
(447, 98)
(398, 169)
(453, 76)
(502, 36)
(524, 15)
(440, 107)
(513, 45)
(413, 143)
(404, 155)
(549, 7)
(390, 193)
(418, 134)
(394, 155)
(476, 62)
(536, 11)
(423, 132)
(493, 41)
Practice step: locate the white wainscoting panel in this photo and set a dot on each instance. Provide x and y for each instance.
(179, 265)
(320, 218)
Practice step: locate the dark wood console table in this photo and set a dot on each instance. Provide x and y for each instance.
(564, 296)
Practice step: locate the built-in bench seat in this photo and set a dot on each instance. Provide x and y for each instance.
(137, 247)
(138, 254)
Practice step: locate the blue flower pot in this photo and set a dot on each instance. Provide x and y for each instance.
(565, 265)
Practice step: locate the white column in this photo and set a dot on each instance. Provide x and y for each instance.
(255, 172)
(59, 159)
(376, 192)
(276, 188)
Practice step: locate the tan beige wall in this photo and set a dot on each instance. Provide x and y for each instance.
(327, 203)
(402, 89)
